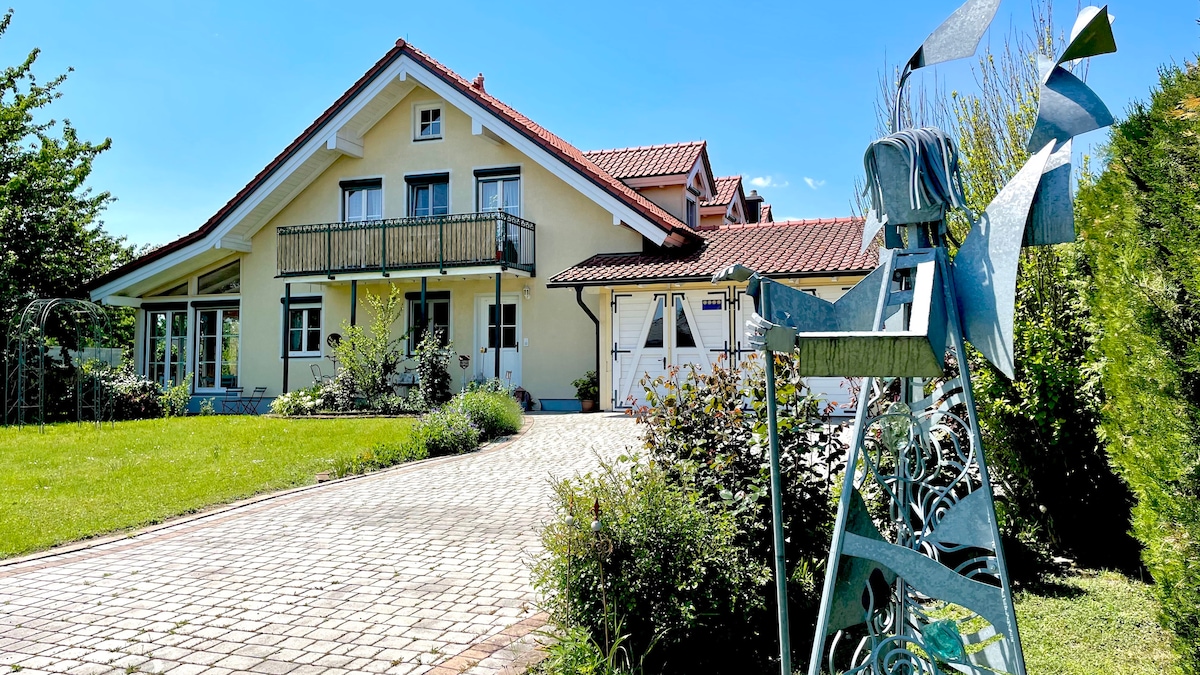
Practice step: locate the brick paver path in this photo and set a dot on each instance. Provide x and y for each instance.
(423, 569)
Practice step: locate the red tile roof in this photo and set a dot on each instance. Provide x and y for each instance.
(727, 188)
(569, 154)
(786, 248)
(648, 160)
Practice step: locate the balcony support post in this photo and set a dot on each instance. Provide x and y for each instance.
(423, 319)
(353, 302)
(287, 331)
(497, 321)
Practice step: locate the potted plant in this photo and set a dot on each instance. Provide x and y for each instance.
(587, 390)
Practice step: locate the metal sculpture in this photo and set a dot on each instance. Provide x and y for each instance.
(920, 584)
(28, 358)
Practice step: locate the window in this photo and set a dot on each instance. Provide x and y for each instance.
(362, 199)
(429, 123)
(683, 329)
(304, 331)
(227, 279)
(654, 336)
(181, 289)
(167, 347)
(218, 345)
(692, 220)
(439, 317)
(500, 193)
(508, 326)
(428, 195)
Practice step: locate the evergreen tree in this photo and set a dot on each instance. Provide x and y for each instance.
(1142, 234)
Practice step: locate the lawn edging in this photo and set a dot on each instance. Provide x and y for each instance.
(217, 510)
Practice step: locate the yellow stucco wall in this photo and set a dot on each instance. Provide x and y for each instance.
(569, 228)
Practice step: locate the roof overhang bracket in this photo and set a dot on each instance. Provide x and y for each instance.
(483, 132)
(346, 142)
(233, 243)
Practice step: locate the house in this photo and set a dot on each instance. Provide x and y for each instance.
(419, 179)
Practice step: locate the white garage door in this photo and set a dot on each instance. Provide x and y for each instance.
(652, 331)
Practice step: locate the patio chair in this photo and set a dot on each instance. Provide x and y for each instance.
(232, 401)
(249, 405)
(318, 376)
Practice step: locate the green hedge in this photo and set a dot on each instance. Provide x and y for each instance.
(1142, 234)
(495, 414)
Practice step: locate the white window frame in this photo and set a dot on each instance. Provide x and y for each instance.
(499, 179)
(365, 216)
(412, 313)
(304, 328)
(441, 121)
(150, 338)
(220, 352)
(410, 193)
(692, 212)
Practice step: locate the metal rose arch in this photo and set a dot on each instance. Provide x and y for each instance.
(923, 588)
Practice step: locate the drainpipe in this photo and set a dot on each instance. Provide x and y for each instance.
(497, 318)
(287, 315)
(579, 299)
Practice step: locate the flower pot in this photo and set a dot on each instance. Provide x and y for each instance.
(587, 406)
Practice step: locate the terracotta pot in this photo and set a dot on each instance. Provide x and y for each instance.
(588, 406)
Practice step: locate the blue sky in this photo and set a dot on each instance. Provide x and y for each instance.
(198, 97)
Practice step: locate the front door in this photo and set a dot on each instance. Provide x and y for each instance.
(509, 336)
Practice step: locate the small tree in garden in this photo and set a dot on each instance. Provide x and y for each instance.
(369, 358)
(433, 368)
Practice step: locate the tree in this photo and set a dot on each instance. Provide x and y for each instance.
(51, 241)
(1142, 235)
(1040, 429)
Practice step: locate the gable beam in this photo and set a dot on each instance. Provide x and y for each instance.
(233, 243)
(477, 129)
(345, 142)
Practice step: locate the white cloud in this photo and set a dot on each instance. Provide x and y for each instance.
(766, 182)
(813, 183)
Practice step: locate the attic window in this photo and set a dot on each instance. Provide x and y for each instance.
(428, 123)
(181, 289)
(227, 279)
(692, 217)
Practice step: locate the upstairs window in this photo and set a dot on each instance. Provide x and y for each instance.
(428, 123)
(428, 195)
(499, 190)
(362, 199)
(692, 219)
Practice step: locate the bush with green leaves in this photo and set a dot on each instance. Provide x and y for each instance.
(664, 571)
(447, 432)
(395, 404)
(493, 413)
(433, 368)
(299, 402)
(368, 358)
(133, 396)
(587, 388)
(175, 399)
(494, 385)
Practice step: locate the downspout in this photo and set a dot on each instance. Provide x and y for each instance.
(586, 310)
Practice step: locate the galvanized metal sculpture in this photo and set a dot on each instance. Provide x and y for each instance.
(921, 585)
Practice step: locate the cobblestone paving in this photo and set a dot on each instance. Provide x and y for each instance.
(418, 570)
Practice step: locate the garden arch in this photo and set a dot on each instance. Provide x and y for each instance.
(78, 328)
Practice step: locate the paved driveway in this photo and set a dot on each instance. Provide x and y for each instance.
(422, 569)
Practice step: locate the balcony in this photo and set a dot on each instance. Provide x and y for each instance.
(492, 240)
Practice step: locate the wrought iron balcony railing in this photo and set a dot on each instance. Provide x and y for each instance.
(434, 243)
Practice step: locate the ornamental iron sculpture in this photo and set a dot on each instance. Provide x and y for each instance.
(921, 585)
(30, 357)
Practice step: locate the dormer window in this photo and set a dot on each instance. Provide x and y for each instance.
(428, 123)
(693, 219)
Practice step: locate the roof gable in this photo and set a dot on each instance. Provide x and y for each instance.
(334, 133)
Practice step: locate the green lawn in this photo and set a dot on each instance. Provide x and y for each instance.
(1092, 623)
(75, 481)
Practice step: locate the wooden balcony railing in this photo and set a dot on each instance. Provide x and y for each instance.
(433, 243)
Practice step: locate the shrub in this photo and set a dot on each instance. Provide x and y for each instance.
(433, 369)
(493, 385)
(369, 358)
(395, 404)
(133, 396)
(664, 570)
(382, 456)
(299, 402)
(206, 407)
(494, 414)
(587, 388)
(175, 399)
(447, 432)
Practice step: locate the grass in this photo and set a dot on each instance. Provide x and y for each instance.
(1092, 623)
(77, 481)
